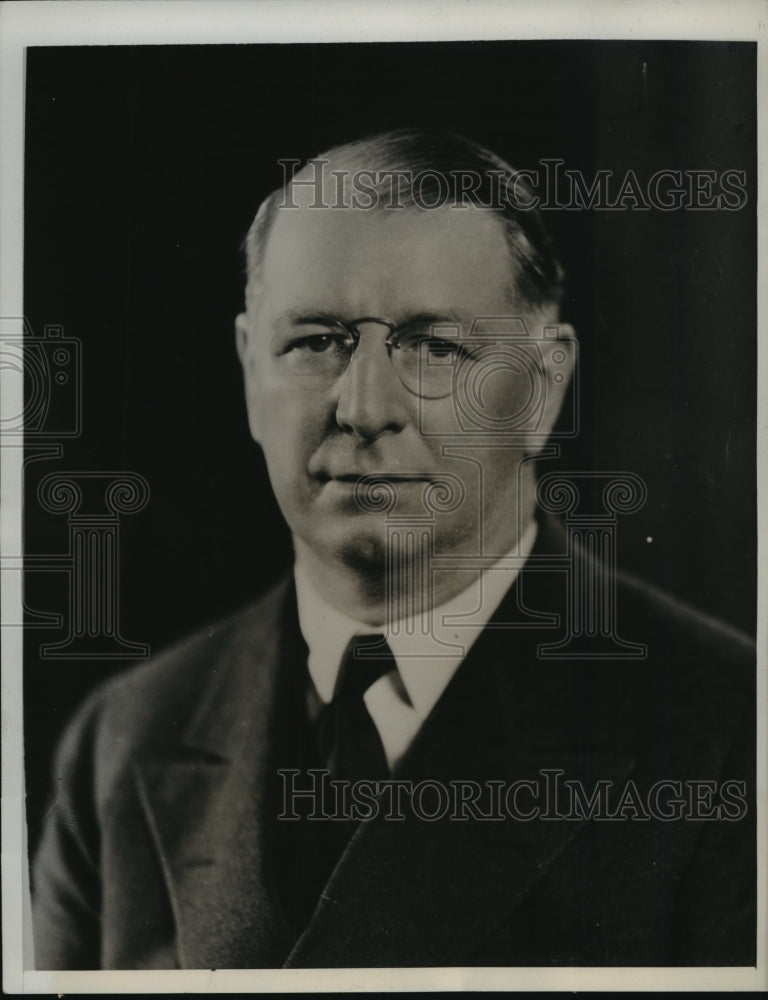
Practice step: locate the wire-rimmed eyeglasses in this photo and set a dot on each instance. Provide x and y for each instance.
(423, 354)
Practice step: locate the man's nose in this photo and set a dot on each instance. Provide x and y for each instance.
(371, 398)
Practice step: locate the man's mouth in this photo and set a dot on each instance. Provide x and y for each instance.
(372, 477)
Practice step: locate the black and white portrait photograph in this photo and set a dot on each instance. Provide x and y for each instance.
(380, 486)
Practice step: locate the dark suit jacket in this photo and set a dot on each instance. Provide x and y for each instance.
(156, 853)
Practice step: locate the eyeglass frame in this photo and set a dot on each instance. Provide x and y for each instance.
(351, 328)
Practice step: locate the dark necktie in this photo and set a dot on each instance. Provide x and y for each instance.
(348, 737)
(350, 748)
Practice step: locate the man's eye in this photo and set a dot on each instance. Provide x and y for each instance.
(325, 354)
(316, 343)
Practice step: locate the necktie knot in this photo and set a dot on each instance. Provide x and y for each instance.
(349, 739)
(366, 659)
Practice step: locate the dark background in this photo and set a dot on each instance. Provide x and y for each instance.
(144, 167)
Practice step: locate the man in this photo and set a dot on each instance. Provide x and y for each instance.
(273, 792)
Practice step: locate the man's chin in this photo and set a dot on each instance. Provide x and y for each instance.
(362, 547)
(360, 540)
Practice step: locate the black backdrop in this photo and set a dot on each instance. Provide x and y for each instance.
(144, 166)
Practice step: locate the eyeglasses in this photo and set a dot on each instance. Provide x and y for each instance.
(425, 363)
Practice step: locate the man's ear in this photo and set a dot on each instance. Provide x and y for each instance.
(558, 345)
(246, 354)
(242, 333)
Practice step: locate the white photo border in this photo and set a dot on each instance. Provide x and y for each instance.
(153, 22)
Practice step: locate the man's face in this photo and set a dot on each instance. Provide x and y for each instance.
(319, 436)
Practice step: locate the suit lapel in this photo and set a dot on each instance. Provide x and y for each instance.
(205, 805)
(404, 893)
(431, 893)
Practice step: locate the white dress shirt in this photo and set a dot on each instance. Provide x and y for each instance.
(400, 701)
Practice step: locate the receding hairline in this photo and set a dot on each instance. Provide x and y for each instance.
(537, 278)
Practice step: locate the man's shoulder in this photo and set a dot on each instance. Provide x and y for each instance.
(656, 616)
(694, 664)
(674, 620)
(152, 703)
(649, 658)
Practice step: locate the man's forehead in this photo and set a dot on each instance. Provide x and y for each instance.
(383, 257)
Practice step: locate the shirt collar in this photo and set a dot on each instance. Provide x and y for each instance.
(426, 662)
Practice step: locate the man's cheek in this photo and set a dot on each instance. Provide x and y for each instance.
(438, 419)
(289, 439)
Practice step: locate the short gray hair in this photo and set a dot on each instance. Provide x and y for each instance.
(539, 277)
